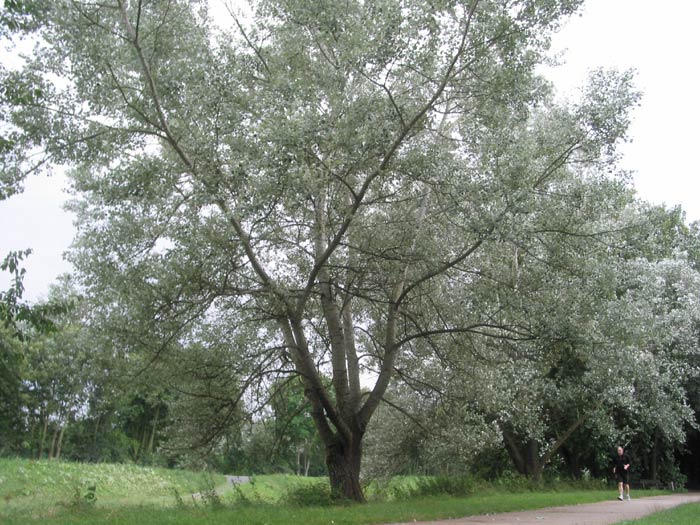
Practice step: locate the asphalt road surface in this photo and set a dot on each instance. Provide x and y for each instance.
(237, 480)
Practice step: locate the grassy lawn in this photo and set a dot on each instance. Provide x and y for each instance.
(27, 486)
(33, 492)
(270, 514)
(688, 514)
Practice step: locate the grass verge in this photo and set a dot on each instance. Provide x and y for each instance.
(688, 514)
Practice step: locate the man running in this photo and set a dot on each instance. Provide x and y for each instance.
(621, 469)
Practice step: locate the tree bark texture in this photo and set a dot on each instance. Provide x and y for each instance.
(344, 461)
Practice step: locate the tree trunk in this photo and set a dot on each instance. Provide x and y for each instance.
(96, 430)
(34, 438)
(307, 457)
(153, 430)
(573, 462)
(44, 431)
(59, 445)
(53, 443)
(144, 440)
(533, 466)
(527, 461)
(343, 461)
(655, 457)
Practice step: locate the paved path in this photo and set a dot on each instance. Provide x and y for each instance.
(237, 480)
(603, 513)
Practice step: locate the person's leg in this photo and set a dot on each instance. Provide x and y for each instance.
(619, 489)
(627, 487)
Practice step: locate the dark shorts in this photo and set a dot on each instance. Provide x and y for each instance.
(623, 477)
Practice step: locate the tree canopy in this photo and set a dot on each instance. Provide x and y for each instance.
(329, 189)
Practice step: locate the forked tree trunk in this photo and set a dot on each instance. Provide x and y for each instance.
(343, 461)
(525, 455)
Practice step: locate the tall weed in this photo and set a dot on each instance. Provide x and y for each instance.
(179, 502)
(209, 496)
(83, 498)
(246, 493)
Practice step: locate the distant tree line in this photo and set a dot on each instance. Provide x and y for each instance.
(69, 395)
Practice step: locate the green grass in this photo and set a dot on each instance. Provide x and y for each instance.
(379, 512)
(688, 514)
(270, 488)
(31, 487)
(437, 507)
(33, 492)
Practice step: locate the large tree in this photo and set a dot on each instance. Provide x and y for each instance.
(313, 182)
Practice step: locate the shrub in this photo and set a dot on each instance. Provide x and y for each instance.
(317, 493)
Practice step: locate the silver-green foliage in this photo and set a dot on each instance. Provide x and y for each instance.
(313, 185)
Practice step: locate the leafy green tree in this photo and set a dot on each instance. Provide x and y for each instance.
(56, 378)
(16, 314)
(310, 180)
(203, 388)
(295, 434)
(11, 424)
(11, 355)
(22, 327)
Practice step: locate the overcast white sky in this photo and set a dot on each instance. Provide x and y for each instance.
(659, 40)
